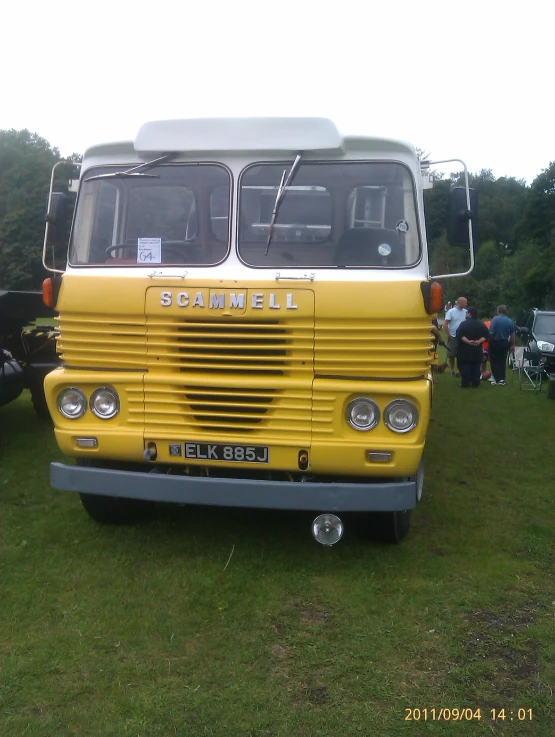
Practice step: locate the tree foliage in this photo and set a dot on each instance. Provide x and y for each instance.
(26, 162)
(515, 244)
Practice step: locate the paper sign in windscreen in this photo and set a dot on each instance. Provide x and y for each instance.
(149, 250)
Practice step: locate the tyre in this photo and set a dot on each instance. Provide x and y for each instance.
(419, 478)
(390, 527)
(113, 510)
(38, 399)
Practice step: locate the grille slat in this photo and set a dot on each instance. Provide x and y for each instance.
(114, 341)
(226, 414)
(230, 411)
(378, 348)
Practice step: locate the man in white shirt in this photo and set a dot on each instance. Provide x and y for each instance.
(453, 319)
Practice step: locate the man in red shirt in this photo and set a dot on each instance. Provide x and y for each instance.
(485, 347)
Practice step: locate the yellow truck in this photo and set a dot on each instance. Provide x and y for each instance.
(244, 320)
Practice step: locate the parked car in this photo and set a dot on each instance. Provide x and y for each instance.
(537, 332)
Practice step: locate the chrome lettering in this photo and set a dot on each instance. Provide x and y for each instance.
(290, 305)
(237, 300)
(190, 450)
(217, 301)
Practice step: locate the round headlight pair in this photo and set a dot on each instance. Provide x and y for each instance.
(399, 416)
(104, 403)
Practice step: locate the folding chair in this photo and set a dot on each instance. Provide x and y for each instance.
(532, 371)
(514, 363)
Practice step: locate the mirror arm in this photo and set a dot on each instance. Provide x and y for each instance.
(49, 218)
(470, 239)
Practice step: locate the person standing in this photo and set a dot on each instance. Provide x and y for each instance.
(502, 334)
(471, 335)
(453, 318)
(485, 348)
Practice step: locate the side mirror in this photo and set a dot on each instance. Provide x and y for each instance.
(56, 219)
(458, 216)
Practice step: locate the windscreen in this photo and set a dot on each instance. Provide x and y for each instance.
(545, 324)
(173, 214)
(347, 214)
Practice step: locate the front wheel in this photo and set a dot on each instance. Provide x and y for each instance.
(390, 527)
(112, 510)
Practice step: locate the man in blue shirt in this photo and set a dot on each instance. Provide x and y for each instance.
(502, 334)
(453, 319)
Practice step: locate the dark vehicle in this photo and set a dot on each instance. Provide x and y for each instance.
(27, 354)
(538, 335)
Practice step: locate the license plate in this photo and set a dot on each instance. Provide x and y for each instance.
(228, 453)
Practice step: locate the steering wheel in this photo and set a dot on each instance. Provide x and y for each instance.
(125, 246)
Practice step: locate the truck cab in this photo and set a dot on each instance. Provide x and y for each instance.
(245, 321)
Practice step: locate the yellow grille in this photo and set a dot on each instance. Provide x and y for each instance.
(220, 347)
(277, 415)
(219, 379)
(364, 348)
(372, 348)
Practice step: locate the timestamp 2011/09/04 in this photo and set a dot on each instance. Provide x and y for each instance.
(466, 714)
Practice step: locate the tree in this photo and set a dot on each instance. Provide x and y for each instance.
(538, 224)
(538, 218)
(26, 162)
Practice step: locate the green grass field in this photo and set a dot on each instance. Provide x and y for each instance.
(153, 630)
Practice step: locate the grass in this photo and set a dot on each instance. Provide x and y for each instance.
(154, 630)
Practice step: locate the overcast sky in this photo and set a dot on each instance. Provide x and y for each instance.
(463, 79)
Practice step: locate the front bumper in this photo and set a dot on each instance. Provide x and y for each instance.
(232, 492)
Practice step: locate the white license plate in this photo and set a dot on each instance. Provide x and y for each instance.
(227, 453)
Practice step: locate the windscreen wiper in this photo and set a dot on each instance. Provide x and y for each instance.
(133, 171)
(279, 197)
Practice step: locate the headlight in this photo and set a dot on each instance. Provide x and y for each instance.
(543, 345)
(72, 403)
(105, 403)
(401, 415)
(363, 414)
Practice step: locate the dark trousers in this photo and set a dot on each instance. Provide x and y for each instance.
(498, 350)
(470, 373)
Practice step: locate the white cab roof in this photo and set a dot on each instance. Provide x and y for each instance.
(240, 135)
